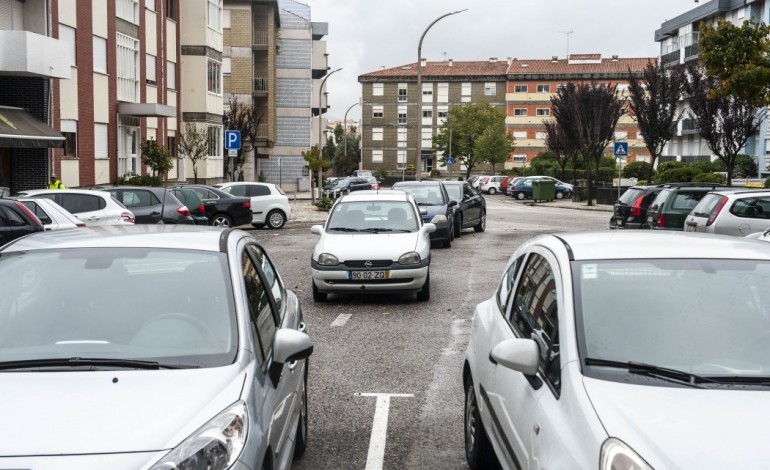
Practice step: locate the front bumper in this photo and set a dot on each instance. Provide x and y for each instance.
(401, 279)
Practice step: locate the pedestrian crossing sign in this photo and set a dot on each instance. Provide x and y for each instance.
(621, 149)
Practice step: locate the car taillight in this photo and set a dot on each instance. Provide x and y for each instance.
(202, 209)
(661, 221)
(80, 225)
(29, 213)
(184, 211)
(636, 207)
(247, 205)
(128, 217)
(715, 211)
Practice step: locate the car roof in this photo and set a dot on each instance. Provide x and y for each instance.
(369, 195)
(417, 183)
(251, 183)
(186, 237)
(34, 192)
(741, 192)
(649, 244)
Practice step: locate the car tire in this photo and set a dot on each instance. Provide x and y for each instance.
(300, 441)
(459, 226)
(482, 225)
(447, 243)
(559, 195)
(221, 220)
(520, 196)
(478, 450)
(424, 294)
(492, 191)
(317, 295)
(275, 219)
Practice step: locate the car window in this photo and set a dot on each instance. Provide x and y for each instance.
(686, 200)
(258, 190)
(364, 215)
(455, 191)
(706, 205)
(630, 196)
(262, 320)
(180, 195)
(660, 199)
(468, 191)
(77, 203)
(751, 207)
(138, 198)
(204, 193)
(271, 277)
(423, 194)
(509, 277)
(12, 218)
(38, 211)
(534, 314)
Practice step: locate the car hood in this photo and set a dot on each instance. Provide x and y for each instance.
(673, 427)
(366, 246)
(100, 412)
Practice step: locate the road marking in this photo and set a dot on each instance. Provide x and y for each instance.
(341, 319)
(376, 456)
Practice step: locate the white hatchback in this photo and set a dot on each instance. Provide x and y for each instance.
(91, 206)
(373, 242)
(269, 204)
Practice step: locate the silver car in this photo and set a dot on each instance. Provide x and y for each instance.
(731, 212)
(568, 367)
(149, 347)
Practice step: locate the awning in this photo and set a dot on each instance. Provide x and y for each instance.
(146, 110)
(19, 129)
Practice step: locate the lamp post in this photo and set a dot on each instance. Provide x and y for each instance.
(418, 158)
(320, 132)
(345, 136)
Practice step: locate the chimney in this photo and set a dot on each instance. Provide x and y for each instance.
(509, 60)
(450, 62)
(614, 58)
(554, 58)
(423, 62)
(492, 60)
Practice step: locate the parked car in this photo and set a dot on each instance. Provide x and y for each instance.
(476, 180)
(210, 340)
(269, 204)
(471, 209)
(433, 200)
(522, 189)
(492, 184)
(151, 205)
(673, 203)
(510, 184)
(93, 207)
(16, 220)
(344, 186)
(51, 215)
(372, 242)
(373, 183)
(735, 212)
(563, 371)
(220, 208)
(194, 203)
(630, 210)
(558, 182)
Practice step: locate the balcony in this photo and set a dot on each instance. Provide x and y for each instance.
(672, 58)
(691, 52)
(260, 87)
(260, 40)
(689, 126)
(23, 53)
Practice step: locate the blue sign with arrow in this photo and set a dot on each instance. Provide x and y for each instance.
(621, 149)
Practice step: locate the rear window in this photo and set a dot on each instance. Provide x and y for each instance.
(686, 200)
(631, 195)
(660, 198)
(707, 205)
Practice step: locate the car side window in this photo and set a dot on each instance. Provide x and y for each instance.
(468, 191)
(754, 208)
(139, 198)
(261, 319)
(205, 193)
(77, 203)
(271, 277)
(12, 218)
(534, 315)
(509, 277)
(180, 195)
(236, 190)
(38, 211)
(258, 190)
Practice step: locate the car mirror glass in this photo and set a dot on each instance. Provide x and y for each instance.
(519, 354)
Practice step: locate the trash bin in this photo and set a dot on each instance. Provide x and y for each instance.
(543, 190)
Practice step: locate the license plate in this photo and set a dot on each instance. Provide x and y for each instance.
(690, 228)
(364, 275)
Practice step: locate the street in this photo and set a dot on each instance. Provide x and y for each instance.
(393, 364)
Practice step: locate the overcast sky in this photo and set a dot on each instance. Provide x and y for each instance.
(365, 35)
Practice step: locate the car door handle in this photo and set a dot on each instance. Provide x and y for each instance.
(94, 217)
(154, 213)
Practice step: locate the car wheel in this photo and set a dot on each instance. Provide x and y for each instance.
(459, 226)
(482, 225)
(492, 191)
(300, 443)
(275, 219)
(478, 450)
(520, 196)
(447, 243)
(318, 296)
(221, 220)
(559, 195)
(424, 294)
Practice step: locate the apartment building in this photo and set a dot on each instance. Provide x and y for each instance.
(398, 120)
(531, 84)
(678, 39)
(32, 60)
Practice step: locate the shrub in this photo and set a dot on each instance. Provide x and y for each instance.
(665, 166)
(709, 178)
(767, 183)
(606, 174)
(608, 162)
(709, 167)
(745, 166)
(435, 173)
(324, 203)
(139, 180)
(637, 170)
(683, 174)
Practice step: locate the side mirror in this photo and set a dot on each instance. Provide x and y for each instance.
(452, 203)
(429, 227)
(438, 219)
(518, 354)
(317, 229)
(288, 346)
(423, 211)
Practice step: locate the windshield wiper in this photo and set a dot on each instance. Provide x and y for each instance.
(376, 229)
(740, 379)
(343, 229)
(89, 361)
(650, 370)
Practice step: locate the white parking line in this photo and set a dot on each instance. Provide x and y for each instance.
(376, 456)
(341, 319)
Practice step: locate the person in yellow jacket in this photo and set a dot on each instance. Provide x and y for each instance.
(55, 183)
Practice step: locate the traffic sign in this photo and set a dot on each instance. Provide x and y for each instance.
(621, 149)
(232, 153)
(449, 160)
(233, 140)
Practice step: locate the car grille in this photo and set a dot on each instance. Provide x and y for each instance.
(384, 263)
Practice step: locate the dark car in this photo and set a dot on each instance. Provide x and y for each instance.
(673, 204)
(16, 221)
(630, 210)
(190, 198)
(433, 200)
(222, 209)
(471, 210)
(344, 186)
(147, 203)
(522, 189)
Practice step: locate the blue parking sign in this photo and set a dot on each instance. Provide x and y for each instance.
(233, 140)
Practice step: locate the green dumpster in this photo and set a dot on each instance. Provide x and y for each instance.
(543, 190)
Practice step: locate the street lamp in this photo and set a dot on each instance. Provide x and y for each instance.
(418, 158)
(320, 133)
(345, 136)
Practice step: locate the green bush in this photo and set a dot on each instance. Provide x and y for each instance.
(139, 180)
(608, 162)
(665, 166)
(606, 174)
(460, 178)
(637, 170)
(324, 203)
(767, 183)
(745, 166)
(709, 167)
(435, 173)
(709, 178)
(682, 174)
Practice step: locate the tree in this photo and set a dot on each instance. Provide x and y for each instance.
(587, 115)
(654, 99)
(495, 145)
(725, 122)
(639, 170)
(557, 143)
(467, 124)
(193, 143)
(246, 119)
(739, 57)
(157, 158)
(316, 163)
(345, 159)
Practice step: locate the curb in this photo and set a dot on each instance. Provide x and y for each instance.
(581, 207)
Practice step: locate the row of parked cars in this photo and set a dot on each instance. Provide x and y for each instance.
(519, 187)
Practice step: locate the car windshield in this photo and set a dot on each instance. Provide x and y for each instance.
(373, 216)
(455, 192)
(423, 195)
(170, 306)
(703, 316)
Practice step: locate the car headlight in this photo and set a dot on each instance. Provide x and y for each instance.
(410, 258)
(325, 259)
(616, 455)
(216, 445)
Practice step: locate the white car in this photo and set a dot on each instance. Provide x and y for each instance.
(269, 204)
(736, 212)
(90, 206)
(491, 184)
(373, 242)
(567, 368)
(52, 215)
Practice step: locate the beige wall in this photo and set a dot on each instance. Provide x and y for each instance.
(151, 32)
(193, 16)
(68, 13)
(101, 171)
(69, 96)
(99, 17)
(70, 174)
(101, 98)
(194, 83)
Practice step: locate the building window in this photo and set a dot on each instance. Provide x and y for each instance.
(401, 137)
(443, 93)
(465, 89)
(227, 66)
(69, 130)
(402, 92)
(544, 88)
(427, 113)
(150, 69)
(171, 75)
(100, 55)
(490, 89)
(226, 22)
(519, 159)
(401, 115)
(442, 114)
(377, 133)
(215, 141)
(520, 134)
(621, 135)
(215, 15)
(541, 135)
(149, 4)
(401, 158)
(376, 156)
(100, 141)
(520, 112)
(171, 9)
(215, 77)
(427, 92)
(377, 111)
(128, 10)
(172, 146)
(67, 36)
(378, 89)
(520, 89)
(128, 68)
(543, 111)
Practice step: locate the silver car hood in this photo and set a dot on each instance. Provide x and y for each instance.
(368, 246)
(673, 427)
(65, 413)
